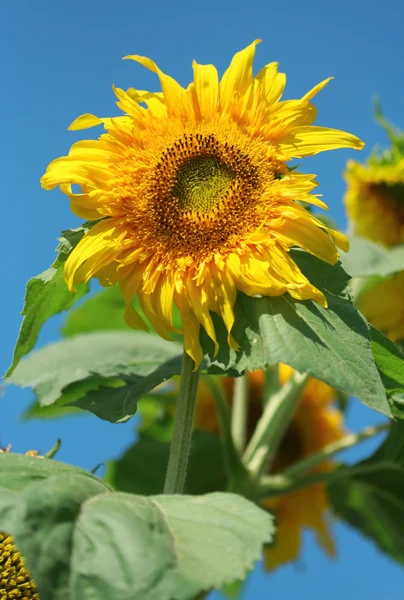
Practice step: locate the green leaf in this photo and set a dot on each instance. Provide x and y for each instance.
(142, 469)
(370, 495)
(18, 471)
(52, 411)
(390, 363)
(46, 295)
(80, 540)
(104, 311)
(331, 344)
(78, 371)
(366, 258)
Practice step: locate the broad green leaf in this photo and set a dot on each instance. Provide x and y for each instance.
(105, 373)
(18, 471)
(366, 258)
(46, 295)
(142, 469)
(370, 495)
(331, 344)
(390, 363)
(52, 411)
(80, 540)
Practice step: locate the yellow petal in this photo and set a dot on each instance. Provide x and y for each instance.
(152, 310)
(272, 82)
(190, 326)
(85, 122)
(237, 80)
(310, 140)
(174, 94)
(317, 88)
(305, 234)
(199, 302)
(207, 88)
(153, 100)
(127, 104)
(129, 287)
(99, 246)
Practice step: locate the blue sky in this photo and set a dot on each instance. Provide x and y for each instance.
(60, 60)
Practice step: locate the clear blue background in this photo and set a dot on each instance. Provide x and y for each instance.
(59, 60)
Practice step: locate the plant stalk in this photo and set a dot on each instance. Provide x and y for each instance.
(298, 476)
(273, 423)
(240, 412)
(183, 427)
(348, 441)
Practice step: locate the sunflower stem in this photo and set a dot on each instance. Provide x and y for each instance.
(240, 412)
(272, 425)
(183, 427)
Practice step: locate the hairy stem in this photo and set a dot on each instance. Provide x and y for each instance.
(183, 427)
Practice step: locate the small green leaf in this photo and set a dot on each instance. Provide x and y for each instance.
(370, 495)
(80, 540)
(46, 295)
(390, 363)
(366, 258)
(121, 365)
(142, 469)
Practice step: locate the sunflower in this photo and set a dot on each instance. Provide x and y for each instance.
(15, 581)
(375, 199)
(383, 306)
(315, 424)
(194, 197)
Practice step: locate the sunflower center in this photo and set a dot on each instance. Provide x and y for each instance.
(204, 193)
(202, 181)
(394, 192)
(15, 581)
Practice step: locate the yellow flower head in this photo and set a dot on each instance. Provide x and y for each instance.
(315, 424)
(195, 198)
(383, 306)
(15, 581)
(375, 200)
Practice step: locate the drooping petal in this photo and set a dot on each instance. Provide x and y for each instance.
(190, 326)
(99, 246)
(129, 286)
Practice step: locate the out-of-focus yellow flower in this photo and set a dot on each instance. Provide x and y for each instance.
(315, 424)
(375, 200)
(383, 306)
(195, 197)
(375, 205)
(15, 581)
